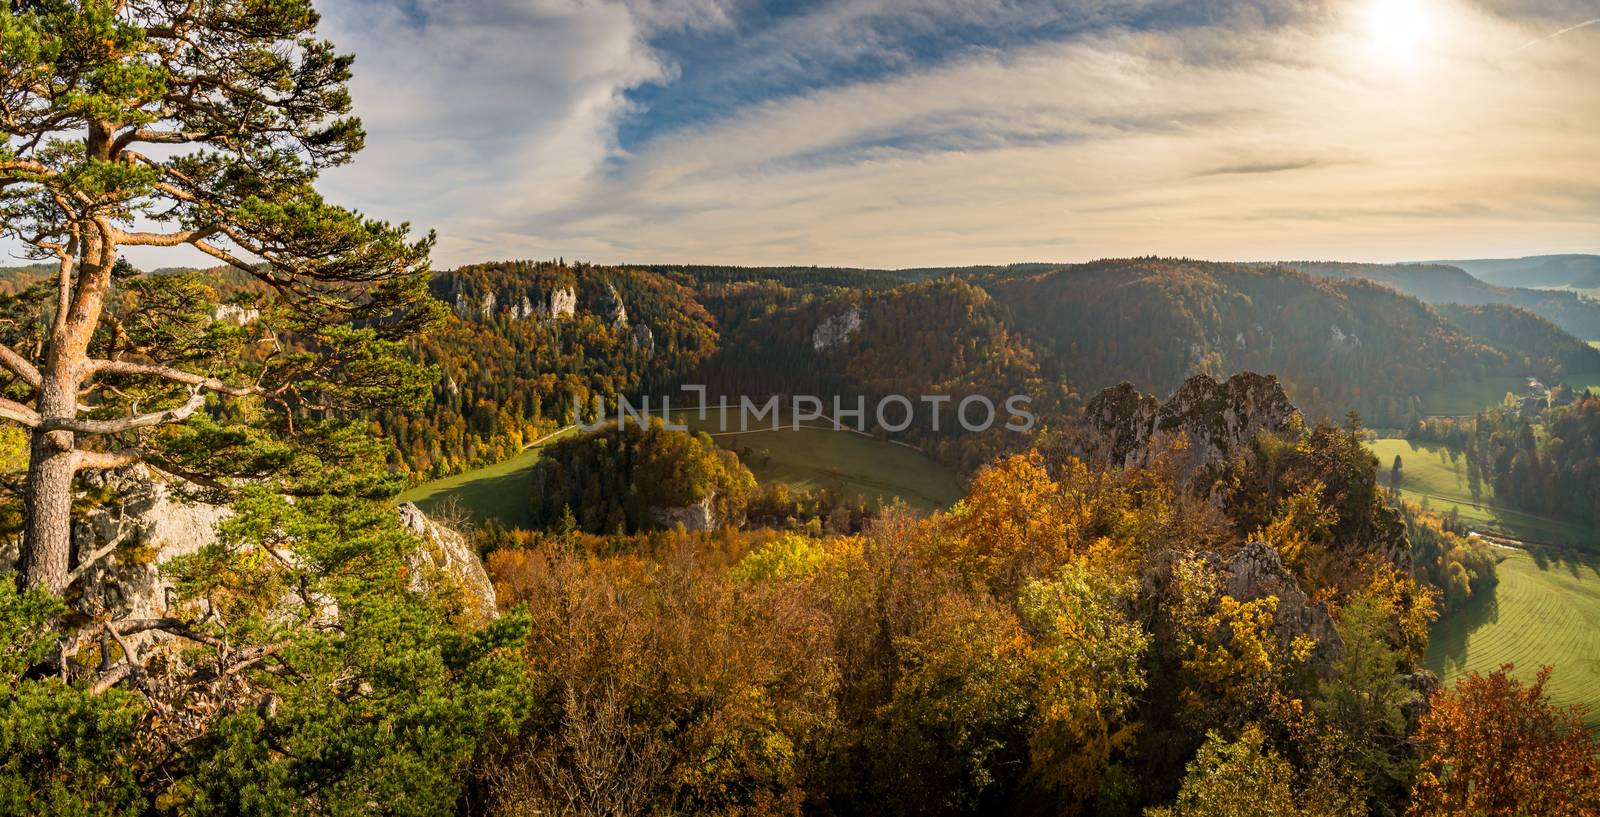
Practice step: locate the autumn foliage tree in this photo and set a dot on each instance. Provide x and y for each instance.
(182, 123)
(1496, 747)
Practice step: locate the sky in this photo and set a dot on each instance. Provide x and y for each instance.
(898, 133)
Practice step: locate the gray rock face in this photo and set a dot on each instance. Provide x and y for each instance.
(1257, 572)
(697, 517)
(613, 310)
(563, 303)
(235, 314)
(524, 310)
(1339, 341)
(151, 524)
(1220, 420)
(837, 329)
(446, 562)
(643, 338)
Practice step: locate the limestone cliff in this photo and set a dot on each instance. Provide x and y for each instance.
(701, 516)
(1256, 572)
(149, 523)
(446, 563)
(837, 329)
(1219, 420)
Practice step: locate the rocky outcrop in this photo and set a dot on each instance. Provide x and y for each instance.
(612, 309)
(563, 303)
(643, 338)
(837, 329)
(701, 516)
(1257, 572)
(149, 523)
(1339, 341)
(235, 314)
(446, 563)
(1219, 420)
(525, 310)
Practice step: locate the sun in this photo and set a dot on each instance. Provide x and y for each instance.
(1397, 29)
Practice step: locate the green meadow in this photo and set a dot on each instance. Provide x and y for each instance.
(496, 492)
(1546, 610)
(1546, 607)
(1436, 477)
(812, 456)
(1470, 397)
(817, 456)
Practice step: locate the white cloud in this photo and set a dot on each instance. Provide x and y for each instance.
(496, 122)
(479, 112)
(1111, 146)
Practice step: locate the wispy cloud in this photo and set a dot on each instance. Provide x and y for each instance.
(909, 132)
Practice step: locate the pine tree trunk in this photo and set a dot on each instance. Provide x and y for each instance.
(47, 542)
(52, 458)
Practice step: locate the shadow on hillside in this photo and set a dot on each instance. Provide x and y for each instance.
(1577, 564)
(1451, 638)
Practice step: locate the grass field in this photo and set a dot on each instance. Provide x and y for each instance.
(1546, 610)
(496, 492)
(1436, 476)
(841, 461)
(809, 457)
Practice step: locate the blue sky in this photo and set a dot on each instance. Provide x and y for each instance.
(915, 132)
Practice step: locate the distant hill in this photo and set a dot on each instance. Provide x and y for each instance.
(1444, 283)
(1540, 344)
(1576, 271)
(16, 279)
(1337, 344)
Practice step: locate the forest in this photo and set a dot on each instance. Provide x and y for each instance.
(509, 371)
(1188, 592)
(1545, 464)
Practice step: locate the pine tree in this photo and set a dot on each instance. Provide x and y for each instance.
(208, 121)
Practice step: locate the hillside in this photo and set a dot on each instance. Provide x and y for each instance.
(1574, 271)
(1440, 284)
(1541, 344)
(526, 340)
(943, 337)
(1337, 344)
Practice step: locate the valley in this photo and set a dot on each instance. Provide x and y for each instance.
(332, 487)
(814, 456)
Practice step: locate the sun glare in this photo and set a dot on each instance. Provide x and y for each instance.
(1397, 29)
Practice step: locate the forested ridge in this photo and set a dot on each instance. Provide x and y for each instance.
(1442, 284)
(1053, 333)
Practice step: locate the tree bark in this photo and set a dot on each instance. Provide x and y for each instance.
(47, 541)
(52, 457)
